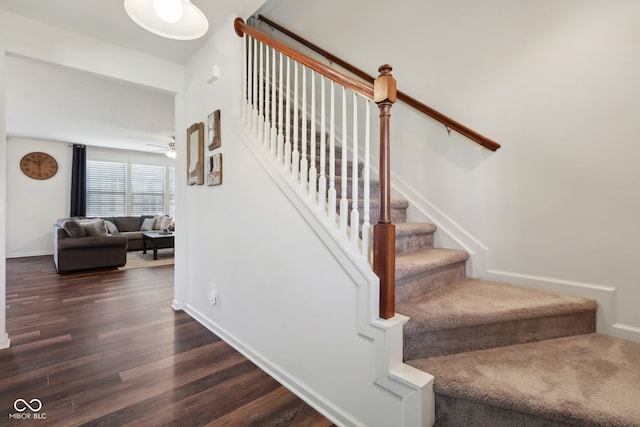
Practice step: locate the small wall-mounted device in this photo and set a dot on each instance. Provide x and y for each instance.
(215, 74)
(213, 294)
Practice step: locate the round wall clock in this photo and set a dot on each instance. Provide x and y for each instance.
(38, 165)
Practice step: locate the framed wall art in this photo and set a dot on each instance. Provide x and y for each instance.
(213, 130)
(214, 169)
(195, 154)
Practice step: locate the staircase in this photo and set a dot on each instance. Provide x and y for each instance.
(501, 355)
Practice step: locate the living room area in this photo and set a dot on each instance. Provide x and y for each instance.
(126, 131)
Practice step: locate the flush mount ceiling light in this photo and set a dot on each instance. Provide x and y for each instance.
(174, 19)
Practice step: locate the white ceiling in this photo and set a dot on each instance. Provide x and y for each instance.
(51, 102)
(47, 101)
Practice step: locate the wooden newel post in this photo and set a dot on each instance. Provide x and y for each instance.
(384, 232)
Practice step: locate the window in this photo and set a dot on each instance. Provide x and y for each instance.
(106, 189)
(171, 172)
(122, 188)
(147, 189)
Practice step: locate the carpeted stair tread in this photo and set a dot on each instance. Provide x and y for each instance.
(415, 263)
(476, 302)
(414, 236)
(586, 380)
(413, 228)
(395, 203)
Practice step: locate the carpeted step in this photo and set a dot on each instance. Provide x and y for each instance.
(398, 210)
(476, 314)
(414, 236)
(420, 272)
(338, 169)
(374, 187)
(585, 380)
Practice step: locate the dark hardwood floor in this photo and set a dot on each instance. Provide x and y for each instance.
(105, 348)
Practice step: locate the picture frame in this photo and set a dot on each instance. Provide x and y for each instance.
(213, 130)
(195, 154)
(214, 169)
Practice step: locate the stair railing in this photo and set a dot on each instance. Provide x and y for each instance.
(448, 122)
(285, 97)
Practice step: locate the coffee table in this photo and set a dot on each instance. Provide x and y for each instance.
(156, 240)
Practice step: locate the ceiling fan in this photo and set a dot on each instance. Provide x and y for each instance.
(169, 150)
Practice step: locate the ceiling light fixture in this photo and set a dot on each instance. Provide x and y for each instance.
(168, 10)
(174, 19)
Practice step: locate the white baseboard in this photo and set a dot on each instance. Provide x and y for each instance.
(28, 254)
(604, 295)
(5, 342)
(627, 332)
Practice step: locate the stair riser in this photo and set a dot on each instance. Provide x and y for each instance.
(410, 287)
(458, 340)
(455, 412)
(338, 167)
(413, 242)
(374, 189)
(397, 215)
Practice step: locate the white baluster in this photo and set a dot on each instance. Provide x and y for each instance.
(313, 171)
(245, 82)
(355, 214)
(267, 100)
(280, 143)
(332, 156)
(322, 181)
(304, 163)
(261, 94)
(274, 96)
(366, 225)
(254, 117)
(249, 115)
(344, 202)
(295, 157)
(287, 126)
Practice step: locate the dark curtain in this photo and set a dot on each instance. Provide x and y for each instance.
(79, 181)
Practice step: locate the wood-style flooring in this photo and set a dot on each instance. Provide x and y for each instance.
(105, 348)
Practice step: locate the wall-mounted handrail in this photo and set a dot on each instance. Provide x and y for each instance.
(256, 87)
(434, 114)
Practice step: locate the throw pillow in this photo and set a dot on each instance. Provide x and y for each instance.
(94, 227)
(74, 229)
(163, 222)
(111, 227)
(147, 224)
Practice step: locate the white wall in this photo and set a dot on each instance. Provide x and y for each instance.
(556, 84)
(33, 39)
(285, 297)
(32, 205)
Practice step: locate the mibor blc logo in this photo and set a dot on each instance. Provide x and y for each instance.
(28, 410)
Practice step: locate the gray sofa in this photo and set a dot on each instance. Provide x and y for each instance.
(85, 243)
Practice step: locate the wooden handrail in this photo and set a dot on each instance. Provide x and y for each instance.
(434, 114)
(349, 82)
